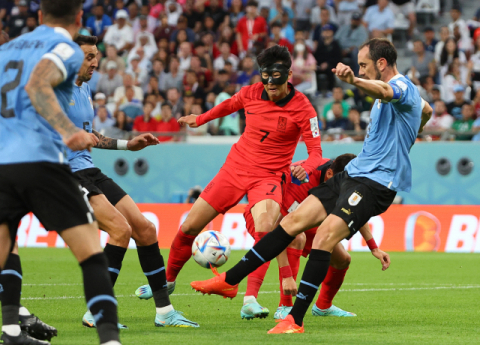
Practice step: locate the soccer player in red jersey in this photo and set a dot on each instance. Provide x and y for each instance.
(257, 165)
(289, 260)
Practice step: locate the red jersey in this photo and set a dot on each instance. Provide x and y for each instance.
(170, 126)
(249, 27)
(272, 130)
(141, 126)
(295, 194)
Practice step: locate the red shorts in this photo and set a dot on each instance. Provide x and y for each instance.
(230, 185)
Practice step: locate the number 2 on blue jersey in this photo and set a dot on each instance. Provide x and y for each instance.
(18, 65)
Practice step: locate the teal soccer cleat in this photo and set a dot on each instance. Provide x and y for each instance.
(282, 312)
(252, 310)
(145, 292)
(332, 311)
(89, 321)
(174, 319)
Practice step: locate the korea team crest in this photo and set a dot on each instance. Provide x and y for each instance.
(282, 124)
(354, 199)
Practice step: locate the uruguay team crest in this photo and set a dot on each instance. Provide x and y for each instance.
(354, 199)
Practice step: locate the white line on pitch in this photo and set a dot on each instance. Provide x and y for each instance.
(270, 292)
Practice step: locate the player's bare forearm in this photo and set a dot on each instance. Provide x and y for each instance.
(427, 112)
(365, 232)
(374, 88)
(282, 259)
(39, 88)
(104, 142)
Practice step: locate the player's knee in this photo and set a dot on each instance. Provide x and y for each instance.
(325, 239)
(299, 242)
(122, 232)
(342, 261)
(189, 229)
(264, 225)
(146, 234)
(292, 224)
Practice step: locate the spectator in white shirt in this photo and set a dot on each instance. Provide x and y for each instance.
(140, 75)
(185, 55)
(127, 83)
(120, 34)
(173, 11)
(441, 119)
(465, 42)
(226, 55)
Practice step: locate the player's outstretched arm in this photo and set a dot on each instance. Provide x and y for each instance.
(427, 112)
(136, 144)
(288, 283)
(374, 88)
(223, 109)
(39, 88)
(376, 252)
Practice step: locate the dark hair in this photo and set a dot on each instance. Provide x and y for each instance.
(341, 162)
(82, 40)
(337, 102)
(276, 25)
(252, 3)
(166, 104)
(61, 10)
(381, 48)
(222, 71)
(198, 44)
(273, 55)
(444, 54)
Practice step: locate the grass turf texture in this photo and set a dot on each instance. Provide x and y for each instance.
(423, 298)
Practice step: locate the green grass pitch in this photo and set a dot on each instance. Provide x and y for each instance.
(423, 298)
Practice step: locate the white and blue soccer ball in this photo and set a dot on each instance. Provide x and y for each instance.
(211, 249)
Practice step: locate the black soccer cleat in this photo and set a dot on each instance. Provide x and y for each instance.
(36, 328)
(22, 339)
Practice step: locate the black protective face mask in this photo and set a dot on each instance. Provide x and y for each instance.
(270, 69)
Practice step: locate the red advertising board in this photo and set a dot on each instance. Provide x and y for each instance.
(401, 228)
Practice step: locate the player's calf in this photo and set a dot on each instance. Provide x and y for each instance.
(11, 283)
(100, 299)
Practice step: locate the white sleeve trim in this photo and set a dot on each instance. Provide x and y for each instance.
(58, 62)
(423, 103)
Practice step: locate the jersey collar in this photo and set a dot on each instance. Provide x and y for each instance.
(284, 101)
(396, 77)
(63, 32)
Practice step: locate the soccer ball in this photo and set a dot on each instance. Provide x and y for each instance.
(210, 249)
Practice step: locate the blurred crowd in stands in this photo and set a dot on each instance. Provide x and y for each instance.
(163, 59)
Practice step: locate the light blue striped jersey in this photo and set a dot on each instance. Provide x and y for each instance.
(391, 133)
(25, 136)
(81, 113)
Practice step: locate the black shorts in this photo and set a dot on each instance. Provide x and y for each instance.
(94, 182)
(48, 190)
(355, 200)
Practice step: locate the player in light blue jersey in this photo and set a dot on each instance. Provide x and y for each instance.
(367, 187)
(116, 212)
(37, 71)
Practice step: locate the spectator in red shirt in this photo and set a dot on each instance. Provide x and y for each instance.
(167, 124)
(250, 28)
(276, 29)
(146, 123)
